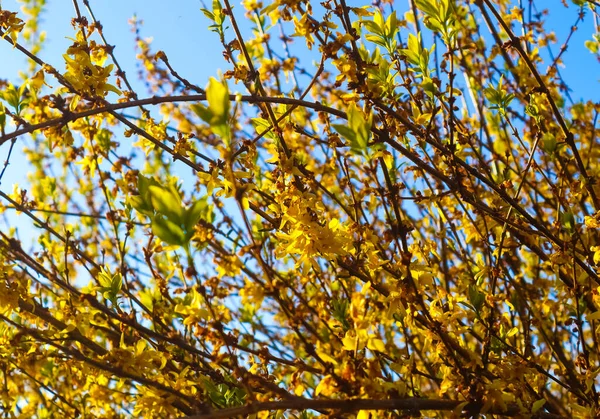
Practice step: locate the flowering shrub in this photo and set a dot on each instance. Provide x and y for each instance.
(374, 211)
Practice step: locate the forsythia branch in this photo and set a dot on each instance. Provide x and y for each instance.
(412, 404)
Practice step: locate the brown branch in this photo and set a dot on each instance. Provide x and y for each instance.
(155, 100)
(413, 404)
(82, 215)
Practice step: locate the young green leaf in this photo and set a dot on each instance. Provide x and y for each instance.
(110, 284)
(346, 132)
(217, 113)
(358, 130)
(168, 231)
(194, 213)
(140, 205)
(166, 202)
(261, 125)
(203, 112)
(360, 125)
(476, 297)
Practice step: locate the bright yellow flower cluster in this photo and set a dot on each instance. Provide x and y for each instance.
(85, 71)
(10, 24)
(303, 232)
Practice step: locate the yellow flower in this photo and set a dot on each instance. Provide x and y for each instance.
(10, 24)
(85, 76)
(591, 221)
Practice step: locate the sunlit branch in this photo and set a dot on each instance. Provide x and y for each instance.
(409, 405)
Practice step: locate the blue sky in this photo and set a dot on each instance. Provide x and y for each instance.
(582, 70)
(179, 29)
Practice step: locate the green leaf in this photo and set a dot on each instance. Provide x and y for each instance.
(358, 130)
(110, 284)
(140, 205)
(194, 213)
(217, 113)
(378, 20)
(360, 126)
(203, 112)
(428, 7)
(150, 295)
(166, 202)
(429, 87)
(103, 137)
(168, 231)
(549, 143)
(345, 132)
(145, 182)
(218, 12)
(376, 40)
(567, 220)
(434, 25)
(340, 312)
(116, 284)
(223, 130)
(391, 25)
(210, 15)
(498, 97)
(476, 297)
(105, 278)
(217, 94)
(261, 125)
(372, 27)
(10, 95)
(413, 52)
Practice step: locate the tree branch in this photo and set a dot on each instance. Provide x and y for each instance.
(412, 404)
(155, 100)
